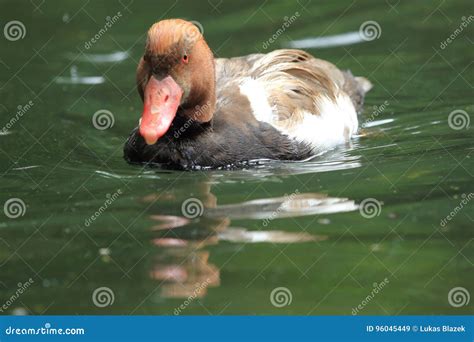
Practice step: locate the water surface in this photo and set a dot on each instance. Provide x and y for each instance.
(320, 235)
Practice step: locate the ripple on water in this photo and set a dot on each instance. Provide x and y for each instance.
(146, 175)
(342, 39)
(113, 57)
(293, 205)
(74, 78)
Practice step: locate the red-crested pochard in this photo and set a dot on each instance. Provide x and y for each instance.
(204, 112)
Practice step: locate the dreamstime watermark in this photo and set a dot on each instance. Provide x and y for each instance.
(274, 214)
(14, 30)
(370, 30)
(377, 287)
(280, 297)
(21, 110)
(103, 119)
(14, 208)
(103, 296)
(377, 110)
(458, 296)
(370, 207)
(192, 208)
(459, 119)
(111, 198)
(109, 22)
(286, 24)
(21, 288)
(198, 111)
(465, 200)
(46, 330)
(464, 23)
(202, 286)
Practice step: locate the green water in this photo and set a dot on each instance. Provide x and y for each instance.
(409, 162)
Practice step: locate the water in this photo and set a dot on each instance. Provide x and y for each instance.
(276, 225)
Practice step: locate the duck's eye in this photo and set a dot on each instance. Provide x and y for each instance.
(185, 59)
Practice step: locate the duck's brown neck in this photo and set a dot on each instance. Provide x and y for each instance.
(201, 102)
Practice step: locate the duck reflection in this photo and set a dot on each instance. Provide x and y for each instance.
(182, 262)
(185, 273)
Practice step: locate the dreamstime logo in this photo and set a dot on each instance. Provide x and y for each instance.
(459, 119)
(22, 110)
(370, 207)
(192, 33)
(14, 208)
(22, 287)
(288, 199)
(198, 112)
(370, 30)
(464, 23)
(109, 22)
(287, 21)
(103, 296)
(377, 287)
(110, 198)
(103, 119)
(14, 30)
(196, 293)
(192, 208)
(376, 112)
(458, 296)
(280, 297)
(465, 200)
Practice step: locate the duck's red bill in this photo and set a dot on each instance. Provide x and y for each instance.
(161, 101)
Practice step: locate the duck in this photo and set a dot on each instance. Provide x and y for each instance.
(205, 112)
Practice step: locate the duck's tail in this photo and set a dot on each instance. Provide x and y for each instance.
(356, 88)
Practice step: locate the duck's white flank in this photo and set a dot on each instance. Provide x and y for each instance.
(334, 124)
(258, 99)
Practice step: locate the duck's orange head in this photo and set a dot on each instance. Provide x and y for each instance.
(175, 76)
